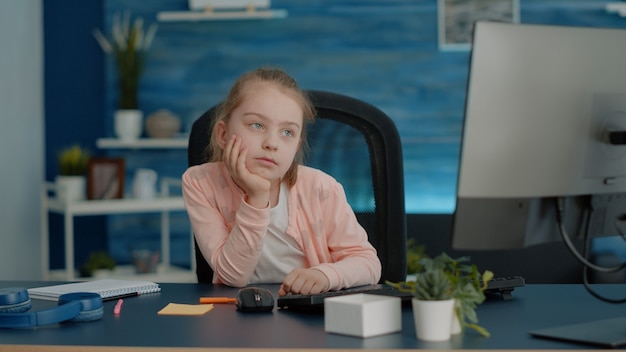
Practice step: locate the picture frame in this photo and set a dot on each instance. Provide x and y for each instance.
(456, 19)
(105, 178)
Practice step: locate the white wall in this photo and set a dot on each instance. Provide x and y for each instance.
(21, 138)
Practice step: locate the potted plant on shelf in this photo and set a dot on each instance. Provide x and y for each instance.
(71, 181)
(97, 261)
(446, 291)
(128, 44)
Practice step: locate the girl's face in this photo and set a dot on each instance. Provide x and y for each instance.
(269, 123)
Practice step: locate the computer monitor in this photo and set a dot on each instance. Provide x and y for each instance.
(541, 104)
(542, 153)
(544, 113)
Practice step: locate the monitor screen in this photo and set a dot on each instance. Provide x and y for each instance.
(544, 116)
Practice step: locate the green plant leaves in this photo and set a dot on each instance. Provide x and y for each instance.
(73, 161)
(443, 277)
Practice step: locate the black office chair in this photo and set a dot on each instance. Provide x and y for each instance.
(359, 145)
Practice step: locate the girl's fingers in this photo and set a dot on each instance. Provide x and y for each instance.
(231, 153)
(228, 149)
(238, 161)
(232, 157)
(241, 161)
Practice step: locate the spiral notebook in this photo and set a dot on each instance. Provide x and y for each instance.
(107, 288)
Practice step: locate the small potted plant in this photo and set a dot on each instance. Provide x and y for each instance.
(99, 260)
(71, 182)
(445, 282)
(128, 44)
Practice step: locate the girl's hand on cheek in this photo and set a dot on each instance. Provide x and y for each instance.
(232, 154)
(254, 186)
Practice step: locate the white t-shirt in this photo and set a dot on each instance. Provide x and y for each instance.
(280, 253)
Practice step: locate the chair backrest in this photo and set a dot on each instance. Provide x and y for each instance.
(359, 145)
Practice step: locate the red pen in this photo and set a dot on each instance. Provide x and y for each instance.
(118, 307)
(209, 300)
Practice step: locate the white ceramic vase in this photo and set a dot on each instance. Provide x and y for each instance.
(144, 184)
(128, 124)
(70, 188)
(433, 319)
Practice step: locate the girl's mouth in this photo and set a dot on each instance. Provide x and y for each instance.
(267, 160)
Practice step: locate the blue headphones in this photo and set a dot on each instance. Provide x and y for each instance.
(77, 306)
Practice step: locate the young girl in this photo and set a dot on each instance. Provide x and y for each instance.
(258, 214)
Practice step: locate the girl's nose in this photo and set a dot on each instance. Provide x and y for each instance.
(270, 142)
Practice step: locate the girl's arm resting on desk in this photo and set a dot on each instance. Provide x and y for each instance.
(351, 260)
(235, 259)
(231, 249)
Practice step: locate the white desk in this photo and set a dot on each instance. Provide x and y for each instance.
(69, 210)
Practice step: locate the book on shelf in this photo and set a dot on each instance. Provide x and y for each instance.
(107, 288)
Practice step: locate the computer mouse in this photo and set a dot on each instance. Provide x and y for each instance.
(254, 299)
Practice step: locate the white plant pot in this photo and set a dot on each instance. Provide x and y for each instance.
(456, 323)
(128, 124)
(70, 188)
(433, 319)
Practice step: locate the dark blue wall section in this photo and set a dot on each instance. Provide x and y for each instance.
(74, 77)
(381, 51)
(74, 86)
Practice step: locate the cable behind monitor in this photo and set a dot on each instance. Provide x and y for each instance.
(560, 205)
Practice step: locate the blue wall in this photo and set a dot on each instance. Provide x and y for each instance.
(382, 51)
(74, 86)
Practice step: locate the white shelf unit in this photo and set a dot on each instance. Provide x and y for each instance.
(143, 143)
(163, 204)
(128, 272)
(50, 203)
(170, 16)
(219, 10)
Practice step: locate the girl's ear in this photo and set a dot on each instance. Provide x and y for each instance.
(221, 134)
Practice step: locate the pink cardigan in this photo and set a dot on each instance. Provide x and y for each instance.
(230, 232)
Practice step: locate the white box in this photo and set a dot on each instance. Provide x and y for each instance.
(362, 315)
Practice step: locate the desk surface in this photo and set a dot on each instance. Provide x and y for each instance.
(533, 307)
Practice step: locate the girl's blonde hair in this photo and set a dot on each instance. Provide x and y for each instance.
(283, 82)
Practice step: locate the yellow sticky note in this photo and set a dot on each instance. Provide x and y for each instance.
(185, 309)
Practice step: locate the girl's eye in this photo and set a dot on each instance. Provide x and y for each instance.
(288, 133)
(256, 125)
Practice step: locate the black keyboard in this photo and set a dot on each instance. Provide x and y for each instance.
(315, 302)
(504, 286)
